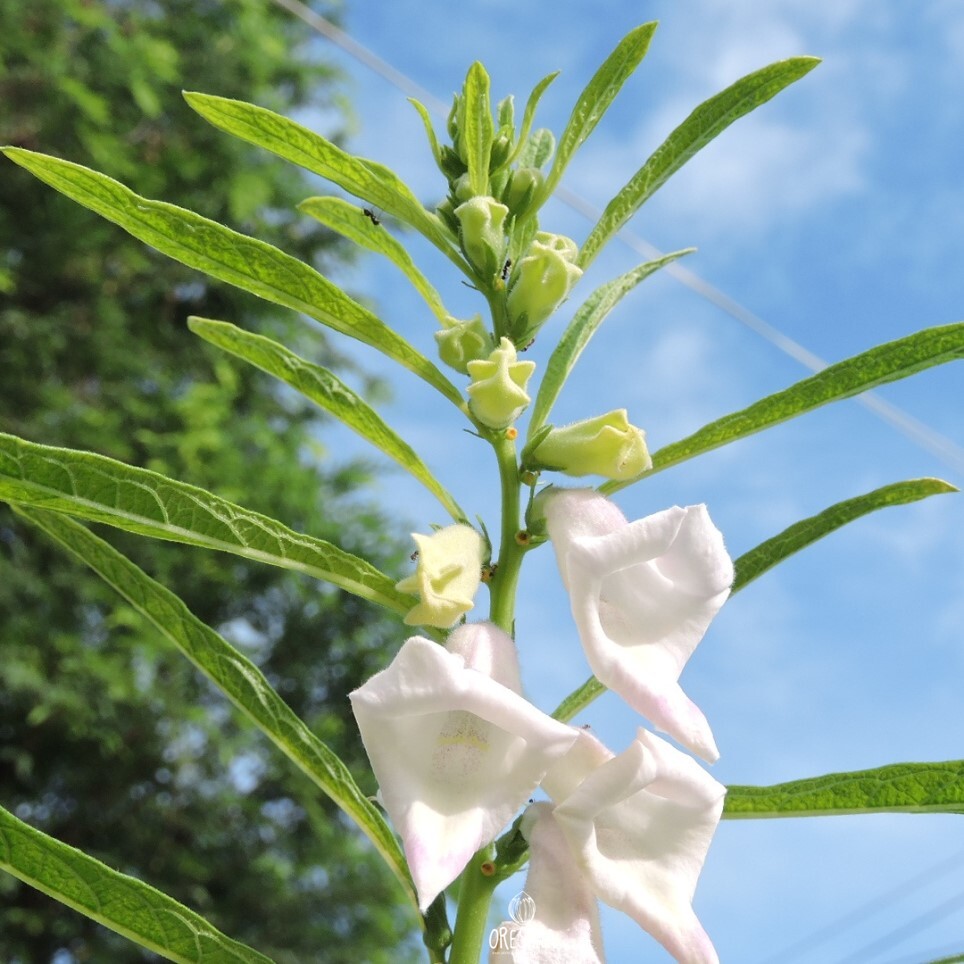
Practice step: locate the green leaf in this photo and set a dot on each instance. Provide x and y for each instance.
(765, 556)
(898, 788)
(528, 115)
(99, 489)
(538, 148)
(884, 363)
(326, 390)
(711, 118)
(124, 904)
(429, 128)
(345, 218)
(582, 327)
(599, 93)
(368, 180)
(751, 565)
(240, 680)
(476, 133)
(224, 254)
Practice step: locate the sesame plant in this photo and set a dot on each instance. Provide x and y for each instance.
(474, 782)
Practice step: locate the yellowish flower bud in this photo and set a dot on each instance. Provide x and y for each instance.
(606, 445)
(462, 342)
(545, 277)
(482, 222)
(447, 578)
(497, 395)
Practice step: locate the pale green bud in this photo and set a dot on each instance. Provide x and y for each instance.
(497, 395)
(482, 221)
(523, 186)
(544, 278)
(606, 445)
(447, 578)
(461, 342)
(462, 188)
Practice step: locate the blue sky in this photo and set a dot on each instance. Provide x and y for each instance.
(835, 213)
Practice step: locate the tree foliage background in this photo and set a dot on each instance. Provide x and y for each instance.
(108, 741)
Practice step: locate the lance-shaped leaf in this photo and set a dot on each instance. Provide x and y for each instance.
(898, 788)
(599, 93)
(885, 363)
(126, 905)
(476, 133)
(768, 554)
(240, 680)
(365, 179)
(753, 564)
(345, 218)
(587, 319)
(224, 254)
(528, 116)
(327, 391)
(103, 490)
(711, 118)
(429, 129)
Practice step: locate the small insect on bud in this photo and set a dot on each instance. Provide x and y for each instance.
(414, 556)
(372, 216)
(506, 268)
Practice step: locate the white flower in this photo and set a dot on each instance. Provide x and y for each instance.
(447, 577)
(455, 749)
(564, 928)
(642, 594)
(638, 826)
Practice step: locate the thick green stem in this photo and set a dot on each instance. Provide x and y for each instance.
(506, 579)
(475, 895)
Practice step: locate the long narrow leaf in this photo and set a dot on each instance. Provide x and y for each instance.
(477, 132)
(711, 118)
(884, 363)
(326, 390)
(126, 905)
(898, 788)
(753, 564)
(599, 93)
(528, 115)
(365, 179)
(240, 680)
(229, 256)
(345, 218)
(102, 490)
(587, 319)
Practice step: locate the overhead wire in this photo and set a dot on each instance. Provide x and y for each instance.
(921, 434)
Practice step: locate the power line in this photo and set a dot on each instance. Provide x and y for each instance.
(922, 435)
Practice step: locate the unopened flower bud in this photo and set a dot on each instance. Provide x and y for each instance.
(545, 277)
(606, 445)
(482, 221)
(461, 342)
(497, 395)
(523, 186)
(462, 188)
(447, 578)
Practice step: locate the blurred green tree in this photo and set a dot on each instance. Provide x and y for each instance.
(107, 740)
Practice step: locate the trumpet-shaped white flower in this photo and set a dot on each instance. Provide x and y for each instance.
(455, 749)
(637, 826)
(564, 928)
(642, 594)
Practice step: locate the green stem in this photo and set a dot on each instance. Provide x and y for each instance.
(475, 895)
(506, 579)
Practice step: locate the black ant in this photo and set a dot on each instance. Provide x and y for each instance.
(505, 268)
(372, 216)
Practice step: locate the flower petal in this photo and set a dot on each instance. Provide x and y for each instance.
(455, 753)
(565, 927)
(643, 594)
(640, 825)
